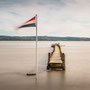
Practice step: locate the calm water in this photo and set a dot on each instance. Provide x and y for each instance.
(18, 58)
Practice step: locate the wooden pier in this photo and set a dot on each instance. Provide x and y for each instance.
(56, 59)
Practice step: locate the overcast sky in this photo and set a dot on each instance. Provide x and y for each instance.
(55, 17)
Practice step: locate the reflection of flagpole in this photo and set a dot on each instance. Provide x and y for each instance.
(36, 48)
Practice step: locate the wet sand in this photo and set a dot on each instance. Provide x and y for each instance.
(18, 58)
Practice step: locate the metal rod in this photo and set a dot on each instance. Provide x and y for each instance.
(36, 49)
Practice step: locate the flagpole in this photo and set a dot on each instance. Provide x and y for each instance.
(36, 64)
(36, 49)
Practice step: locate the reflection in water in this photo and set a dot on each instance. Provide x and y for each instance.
(51, 80)
(56, 78)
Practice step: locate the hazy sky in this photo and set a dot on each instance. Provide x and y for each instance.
(55, 17)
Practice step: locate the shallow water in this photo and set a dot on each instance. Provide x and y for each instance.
(18, 57)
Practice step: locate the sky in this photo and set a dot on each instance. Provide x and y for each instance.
(55, 17)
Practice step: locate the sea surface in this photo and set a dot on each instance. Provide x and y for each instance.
(17, 58)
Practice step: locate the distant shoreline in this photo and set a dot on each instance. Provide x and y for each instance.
(42, 38)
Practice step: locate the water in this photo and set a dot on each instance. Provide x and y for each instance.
(18, 57)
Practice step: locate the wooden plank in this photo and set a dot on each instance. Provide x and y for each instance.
(56, 55)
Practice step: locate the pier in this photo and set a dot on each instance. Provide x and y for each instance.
(56, 59)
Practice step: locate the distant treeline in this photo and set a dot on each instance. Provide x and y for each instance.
(42, 38)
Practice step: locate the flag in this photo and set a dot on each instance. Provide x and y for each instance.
(29, 23)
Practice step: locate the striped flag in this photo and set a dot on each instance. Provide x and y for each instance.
(29, 23)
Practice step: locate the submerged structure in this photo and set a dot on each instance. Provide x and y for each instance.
(56, 59)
